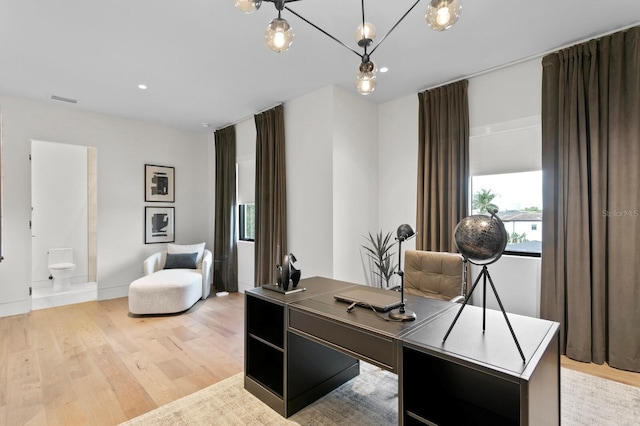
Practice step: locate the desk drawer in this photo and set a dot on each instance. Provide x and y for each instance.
(347, 337)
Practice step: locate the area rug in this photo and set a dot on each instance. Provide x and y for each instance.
(372, 399)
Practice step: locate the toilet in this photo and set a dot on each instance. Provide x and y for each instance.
(61, 267)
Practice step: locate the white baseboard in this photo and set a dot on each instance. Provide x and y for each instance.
(113, 292)
(15, 308)
(242, 287)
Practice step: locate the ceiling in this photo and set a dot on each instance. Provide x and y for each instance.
(205, 62)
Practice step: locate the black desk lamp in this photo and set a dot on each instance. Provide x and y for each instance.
(405, 233)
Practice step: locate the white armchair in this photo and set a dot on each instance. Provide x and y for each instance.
(175, 289)
(156, 261)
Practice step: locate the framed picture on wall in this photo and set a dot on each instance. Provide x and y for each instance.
(159, 183)
(159, 225)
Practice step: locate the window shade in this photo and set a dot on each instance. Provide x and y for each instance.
(509, 147)
(246, 181)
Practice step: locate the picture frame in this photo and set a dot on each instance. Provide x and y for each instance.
(159, 184)
(159, 225)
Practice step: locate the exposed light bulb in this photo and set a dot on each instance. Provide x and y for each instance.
(279, 35)
(366, 83)
(366, 78)
(248, 6)
(365, 34)
(442, 14)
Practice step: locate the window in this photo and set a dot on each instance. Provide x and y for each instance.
(247, 216)
(246, 176)
(505, 165)
(518, 198)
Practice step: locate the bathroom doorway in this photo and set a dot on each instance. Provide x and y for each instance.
(64, 215)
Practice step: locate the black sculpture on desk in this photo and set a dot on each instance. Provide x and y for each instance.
(287, 273)
(481, 240)
(287, 277)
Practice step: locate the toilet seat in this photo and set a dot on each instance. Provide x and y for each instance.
(59, 266)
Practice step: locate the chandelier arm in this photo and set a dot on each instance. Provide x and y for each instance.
(363, 25)
(323, 31)
(394, 27)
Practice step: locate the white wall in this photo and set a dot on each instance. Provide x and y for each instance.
(59, 200)
(309, 151)
(355, 181)
(123, 147)
(506, 95)
(398, 165)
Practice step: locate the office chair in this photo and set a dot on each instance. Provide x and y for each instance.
(438, 275)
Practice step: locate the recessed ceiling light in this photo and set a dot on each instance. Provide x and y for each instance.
(142, 86)
(383, 69)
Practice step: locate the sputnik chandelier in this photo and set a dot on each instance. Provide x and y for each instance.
(441, 15)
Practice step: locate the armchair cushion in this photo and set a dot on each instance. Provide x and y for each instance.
(181, 261)
(433, 274)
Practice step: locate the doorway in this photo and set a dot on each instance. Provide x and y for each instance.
(64, 215)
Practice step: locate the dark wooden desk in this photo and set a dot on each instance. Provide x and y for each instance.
(300, 346)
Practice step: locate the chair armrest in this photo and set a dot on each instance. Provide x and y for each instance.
(152, 263)
(207, 263)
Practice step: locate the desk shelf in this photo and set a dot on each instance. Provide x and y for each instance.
(477, 377)
(265, 320)
(441, 392)
(264, 344)
(265, 365)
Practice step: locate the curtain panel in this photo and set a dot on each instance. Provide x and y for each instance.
(271, 198)
(591, 198)
(443, 165)
(225, 265)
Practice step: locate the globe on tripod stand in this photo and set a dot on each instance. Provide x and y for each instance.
(481, 239)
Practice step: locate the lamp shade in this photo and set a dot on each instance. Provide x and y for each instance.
(279, 35)
(442, 14)
(405, 232)
(248, 6)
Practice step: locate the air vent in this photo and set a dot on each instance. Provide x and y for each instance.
(61, 99)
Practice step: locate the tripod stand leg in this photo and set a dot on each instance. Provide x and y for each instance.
(462, 307)
(485, 272)
(506, 318)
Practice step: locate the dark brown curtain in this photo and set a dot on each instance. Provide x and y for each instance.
(225, 263)
(443, 165)
(591, 198)
(271, 197)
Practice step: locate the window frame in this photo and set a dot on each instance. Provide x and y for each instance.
(242, 231)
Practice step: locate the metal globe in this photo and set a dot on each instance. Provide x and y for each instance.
(481, 239)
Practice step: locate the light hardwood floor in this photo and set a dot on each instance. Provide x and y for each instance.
(95, 364)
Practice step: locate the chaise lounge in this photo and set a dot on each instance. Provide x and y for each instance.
(175, 279)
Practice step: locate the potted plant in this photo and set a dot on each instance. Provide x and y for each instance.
(378, 251)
